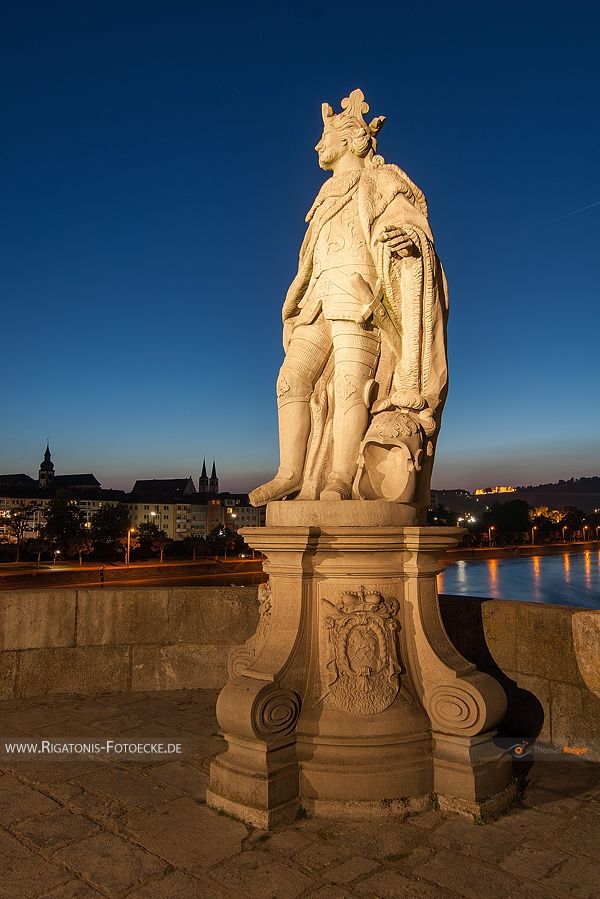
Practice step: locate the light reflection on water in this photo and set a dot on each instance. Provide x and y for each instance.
(566, 579)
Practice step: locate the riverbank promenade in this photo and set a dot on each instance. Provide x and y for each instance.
(207, 572)
(108, 825)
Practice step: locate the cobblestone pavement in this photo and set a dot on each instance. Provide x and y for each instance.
(81, 827)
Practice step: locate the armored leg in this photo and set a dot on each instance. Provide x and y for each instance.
(304, 362)
(356, 351)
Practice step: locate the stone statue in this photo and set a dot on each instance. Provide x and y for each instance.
(350, 698)
(361, 390)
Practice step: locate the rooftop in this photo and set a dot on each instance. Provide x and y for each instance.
(163, 487)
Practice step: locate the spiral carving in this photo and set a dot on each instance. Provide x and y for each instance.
(238, 661)
(275, 713)
(454, 709)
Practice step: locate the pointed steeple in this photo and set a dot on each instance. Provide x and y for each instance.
(214, 480)
(203, 485)
(46, 472)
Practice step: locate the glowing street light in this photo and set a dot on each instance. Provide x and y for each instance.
(130, 531)
(490, 529)
(56, 553)
(585, 528)
(563, 532)
(533, 530)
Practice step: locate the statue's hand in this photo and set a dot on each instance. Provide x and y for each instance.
(396, 240)
(412, 403)
(400, 399)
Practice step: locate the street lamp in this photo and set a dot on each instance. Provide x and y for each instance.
(533, 530)
(490, 529)
(129, 533)
(585, 528)
(56, 553)
(563, 532)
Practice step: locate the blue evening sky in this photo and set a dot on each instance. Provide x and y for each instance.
(156, 164)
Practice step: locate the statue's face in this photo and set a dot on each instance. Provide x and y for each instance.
(330, 148)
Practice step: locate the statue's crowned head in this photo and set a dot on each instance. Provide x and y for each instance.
(347, 131)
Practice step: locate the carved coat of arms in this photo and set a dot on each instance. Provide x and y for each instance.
(363, 666)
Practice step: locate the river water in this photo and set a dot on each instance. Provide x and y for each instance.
(565, 579)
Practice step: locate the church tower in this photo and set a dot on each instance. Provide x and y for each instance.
(214, 481)
(46, 472)
(203, 482)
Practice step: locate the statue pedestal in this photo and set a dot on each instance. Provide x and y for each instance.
(350, 698)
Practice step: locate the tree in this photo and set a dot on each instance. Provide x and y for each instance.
(146, 532)
(160, 542)
(573, 517)
(80, 545)
(126, 543)
(63, 520)
(553, 515)
(507, 518)
(195, 543)
(222, 540)
(514, 516)
(36, 546)
(110, 523)
(18, 522)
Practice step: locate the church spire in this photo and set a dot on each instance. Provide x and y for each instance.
(203, 484)
(214, 480)
(46, 472)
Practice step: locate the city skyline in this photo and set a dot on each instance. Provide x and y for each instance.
(238, 483)
(144, 161)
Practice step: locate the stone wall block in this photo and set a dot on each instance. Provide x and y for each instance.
(8, 673)
(180, 667)
(37, 618)
(122, 617)
(212, 614)
(576, 721)
(525, 721)
(483, 630)
(586, 641)
(98, 669)
(500, 629)
(545, 643)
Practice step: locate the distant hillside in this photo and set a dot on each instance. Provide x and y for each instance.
(573, 485)
(583, 493)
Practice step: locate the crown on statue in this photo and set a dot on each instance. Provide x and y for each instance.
(353, 108)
